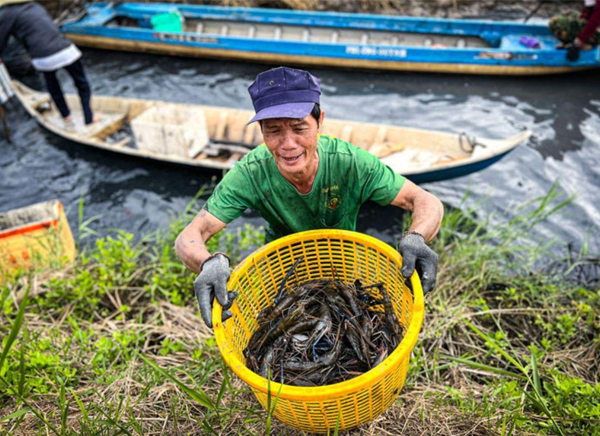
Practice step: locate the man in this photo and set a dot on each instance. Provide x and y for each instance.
(29, 23)
(578, 33)
(301, 181)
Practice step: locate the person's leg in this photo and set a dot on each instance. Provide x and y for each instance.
(83, 87)
(56, 93)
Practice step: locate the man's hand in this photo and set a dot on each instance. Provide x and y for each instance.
(416, 253)
(211, 283)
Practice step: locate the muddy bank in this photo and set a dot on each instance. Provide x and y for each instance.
(502, 9)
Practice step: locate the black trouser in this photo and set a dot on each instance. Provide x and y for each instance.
(83, 87)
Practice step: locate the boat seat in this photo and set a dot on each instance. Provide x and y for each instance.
(381, 147)
(109, 124)
(385, 149)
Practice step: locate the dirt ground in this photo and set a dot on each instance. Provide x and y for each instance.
(501, 9)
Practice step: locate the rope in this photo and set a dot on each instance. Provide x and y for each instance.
(472, 141)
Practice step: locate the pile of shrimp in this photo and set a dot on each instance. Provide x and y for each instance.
(323, 332)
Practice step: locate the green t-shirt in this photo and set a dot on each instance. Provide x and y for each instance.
(347, 177)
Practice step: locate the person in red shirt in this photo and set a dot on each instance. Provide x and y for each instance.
(590, 13)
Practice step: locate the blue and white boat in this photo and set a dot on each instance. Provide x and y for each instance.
(327, 39)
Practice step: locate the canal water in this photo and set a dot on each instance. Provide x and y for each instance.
(563, 112)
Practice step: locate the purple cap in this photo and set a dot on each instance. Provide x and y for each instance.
(284, 93)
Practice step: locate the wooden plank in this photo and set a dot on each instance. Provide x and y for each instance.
(346, 134)
(122, 143)
(230, 148)
(251, 133)
(108, 127)
(237, 126)
(234, 158)
(220, 131)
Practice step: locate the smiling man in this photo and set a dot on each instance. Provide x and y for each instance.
(302, 180)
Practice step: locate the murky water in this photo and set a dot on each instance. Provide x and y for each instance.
(562, 111)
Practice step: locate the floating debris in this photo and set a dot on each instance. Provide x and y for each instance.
(322, 332)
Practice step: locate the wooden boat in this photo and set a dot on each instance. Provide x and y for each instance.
(329, 39)
(34, 236)
(215, 137)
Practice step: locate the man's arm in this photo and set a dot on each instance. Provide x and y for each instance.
(427, 210)
(190, 245)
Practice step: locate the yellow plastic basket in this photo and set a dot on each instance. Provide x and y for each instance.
(350, 256)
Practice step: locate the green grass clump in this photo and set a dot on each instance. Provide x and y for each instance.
(114, 345)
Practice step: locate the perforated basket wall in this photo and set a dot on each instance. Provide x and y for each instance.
(350, 256)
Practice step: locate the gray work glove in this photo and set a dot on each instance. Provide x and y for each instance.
(416, 253)
(211, 283)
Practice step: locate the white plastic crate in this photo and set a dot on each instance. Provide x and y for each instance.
(170, 129)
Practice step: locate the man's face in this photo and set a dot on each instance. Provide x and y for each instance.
(293, 142)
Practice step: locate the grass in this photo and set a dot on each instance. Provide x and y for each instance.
(113, 345)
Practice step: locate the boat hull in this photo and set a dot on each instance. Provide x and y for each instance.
(168, 49)
(420, 155)
(327, 39)
(452, 173)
